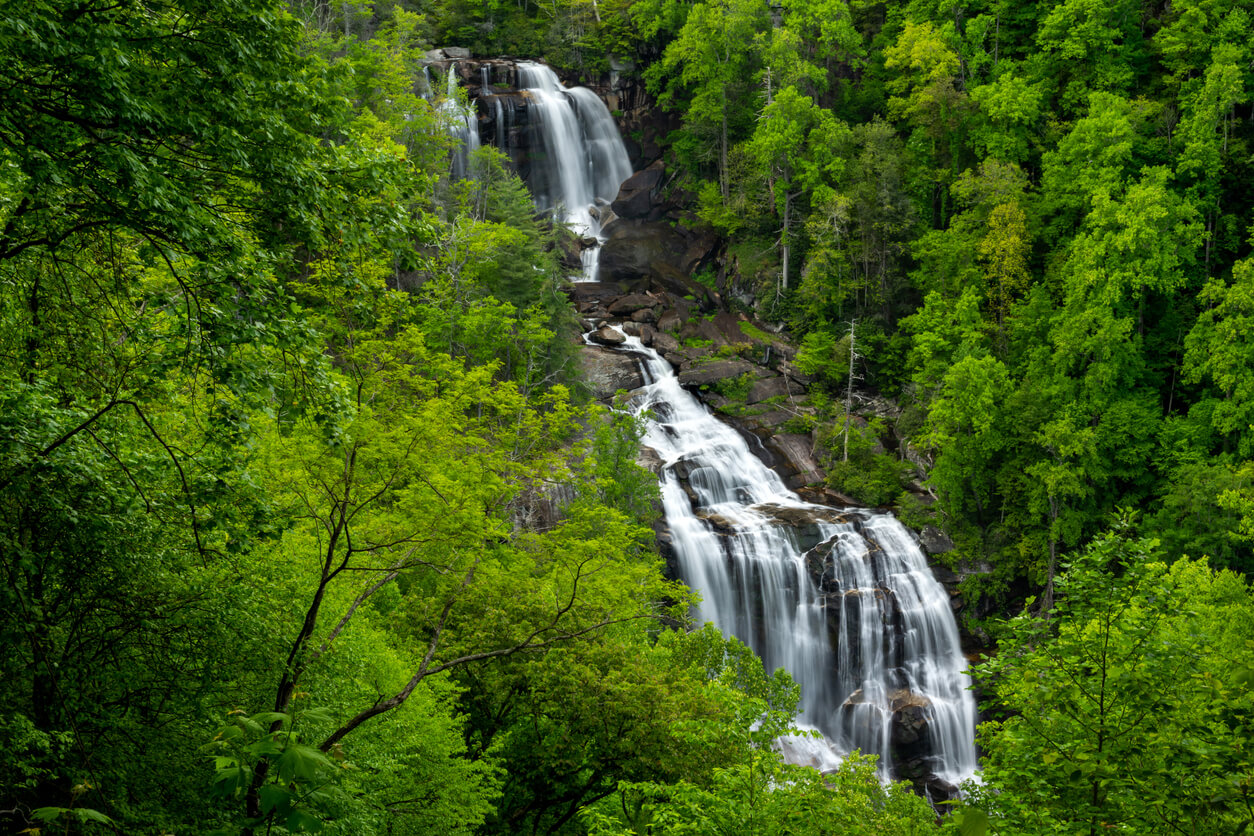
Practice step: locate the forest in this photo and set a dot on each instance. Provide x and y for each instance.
(308, 522)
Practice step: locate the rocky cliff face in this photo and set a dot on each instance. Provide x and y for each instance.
(501, 105)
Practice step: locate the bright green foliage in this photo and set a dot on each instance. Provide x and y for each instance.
(1090, 45)
(965, 422)
(927, 95)
(1010, 110)
(765, 796)
(826, 34)
(1219, 349)
(708, 72)
(1130, 707)
(795, 144)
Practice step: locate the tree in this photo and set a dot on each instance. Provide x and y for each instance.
(1218, 349)
(964, 424)
(1090, 46)
(417, 489)
(708, 71)
(1140, 664)
(795, 144)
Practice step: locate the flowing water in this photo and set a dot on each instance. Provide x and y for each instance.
(582, 161)
(873, 636)
(462, 123)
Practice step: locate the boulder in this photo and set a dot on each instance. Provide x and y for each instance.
(664, 342)
(627, 305)
(649, 459)
(635, 195)
(799, 467)
(606, 371)
(909, 727)
(595, 293)
(707, 373)
(644, 315)
(632, 248)
(934, 541)
(670, 321)
(607, 336)
(773, 387)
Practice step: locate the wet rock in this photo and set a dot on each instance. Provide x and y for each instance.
(628, 305)
(799, 515)
(707, 373)
(805, 521)
(631, 329)
(644, 315)
(934, 541)
(607, 336)
(647, 334)
(910, 726)
(773, 387)
(717, 521)
(606, 371)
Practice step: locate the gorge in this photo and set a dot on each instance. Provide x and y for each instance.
(841, 598)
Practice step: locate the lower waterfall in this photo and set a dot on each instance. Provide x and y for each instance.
(841, 598)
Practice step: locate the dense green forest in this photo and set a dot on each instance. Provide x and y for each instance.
(307, 524)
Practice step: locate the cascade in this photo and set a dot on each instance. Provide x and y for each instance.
(568, 148)
(582, 161)
(462, 125)
(842, 599)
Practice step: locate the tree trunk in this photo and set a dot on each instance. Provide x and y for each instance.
(784, 249)
(849, 387)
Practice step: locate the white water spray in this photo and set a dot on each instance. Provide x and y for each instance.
(874, 639)
(583, 159)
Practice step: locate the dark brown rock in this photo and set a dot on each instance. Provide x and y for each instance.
(605, 371)
(669, 321)
(934, 541)
(663, 341)
(644, 315)
(773, 387)
(707, 373)
(607, 336)
(627, 305)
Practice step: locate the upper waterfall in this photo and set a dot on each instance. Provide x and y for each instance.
(575, 158)
(584, 160)
(843, 600)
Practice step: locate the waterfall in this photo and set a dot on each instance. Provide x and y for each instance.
(872, 642)
(576, 157)
(462, 124)
(582, 160)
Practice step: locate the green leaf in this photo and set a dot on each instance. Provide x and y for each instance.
(300, 820)
(974, 822)
(275, 798)
(301, 762)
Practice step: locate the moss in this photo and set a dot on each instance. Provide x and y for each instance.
(753, 332)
